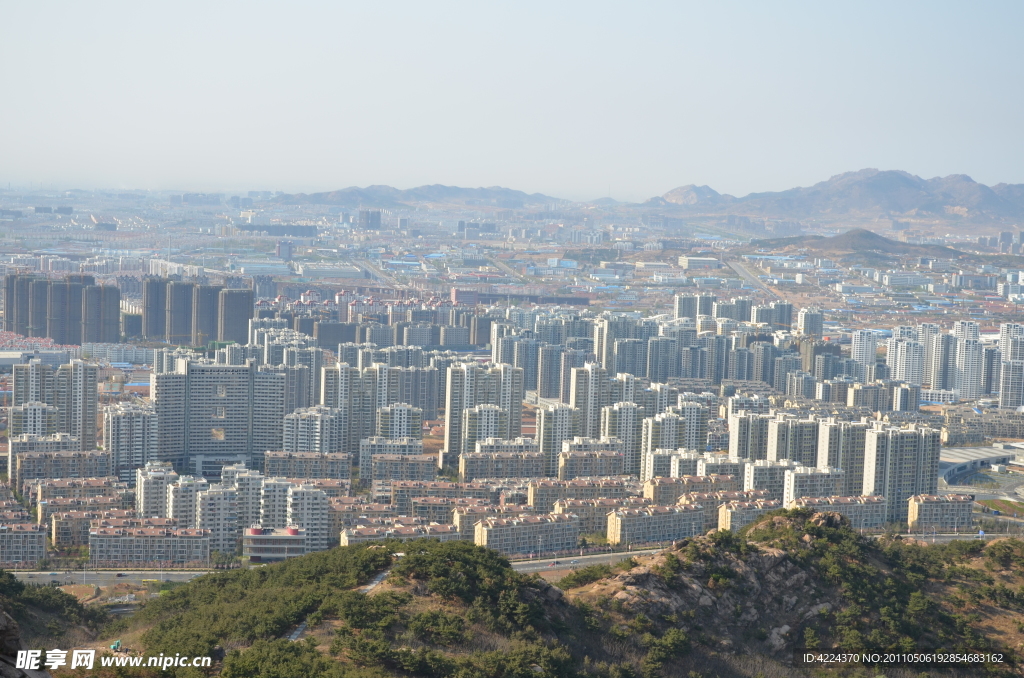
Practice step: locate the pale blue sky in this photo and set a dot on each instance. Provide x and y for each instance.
(569, 99)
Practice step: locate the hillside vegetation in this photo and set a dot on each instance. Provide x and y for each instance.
(719, 605)
(48, 616)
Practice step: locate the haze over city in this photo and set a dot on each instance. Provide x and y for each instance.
(458, 340)
(574, 100)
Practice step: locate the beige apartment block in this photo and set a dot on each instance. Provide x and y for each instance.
(529, 534)
(734, 515)
(712, 501)
(865, 512)
(465, 518)
(401, 533)
(390, 467)
(524, 464)
(572, 465)
(148, 546)
(665, 491)
(542, 494)
(593, 513)
(22, 545)
(307, 465)
(941, 513)
(403, 491)
(655, 524)
(439, 509)
(33, 465)
(46, 509)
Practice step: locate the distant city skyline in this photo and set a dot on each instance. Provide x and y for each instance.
(574, 101)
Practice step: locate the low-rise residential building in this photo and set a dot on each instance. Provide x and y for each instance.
(465, 518)
(736, 514)
(307, 465)
(655, 524)
(272, 544)
(515, 445)
(389, 467)
(529, 534)
(593, 513)
(712, 501)
(12, 512)
(666, 491)
(22, 545)
(863, 512)
(33, 465)
(46, 509)
(403, 491)
(345, 512)
(439, 509)
(71, 528)
(807, 481)
(77, 488)
(542, 494)
(362, 535)
(378, 445)
(526, 464)
(148, 546)
(589, 464)
(332, 487)
(939, 513)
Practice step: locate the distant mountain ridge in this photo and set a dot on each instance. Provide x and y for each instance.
(856, 240)
(388, 196)
(868, 192)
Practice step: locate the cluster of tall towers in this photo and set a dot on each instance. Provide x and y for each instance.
(188, 313)
(74, 310)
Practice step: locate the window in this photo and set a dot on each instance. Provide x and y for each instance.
(219, 413)
(222, 391)
(217, 433)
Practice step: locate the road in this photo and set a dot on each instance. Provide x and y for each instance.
(105, 578)
(745, 273)
(541, 564)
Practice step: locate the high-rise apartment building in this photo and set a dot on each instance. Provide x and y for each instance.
(130, 435)
(234, 310)
(314, 429)
(469, 385)
(900, 463)
(625, 421)
(77, 401)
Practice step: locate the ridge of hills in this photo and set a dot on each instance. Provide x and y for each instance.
(857, 240)
(869, 192)
(724, 604)
(866, 194)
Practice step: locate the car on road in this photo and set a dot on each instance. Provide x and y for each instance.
(553, 563)
(574, 562)
(120, 574)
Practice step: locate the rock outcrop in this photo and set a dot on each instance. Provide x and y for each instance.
(10, 643)
(758, 603)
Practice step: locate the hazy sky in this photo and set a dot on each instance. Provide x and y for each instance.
(569, 99)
